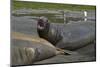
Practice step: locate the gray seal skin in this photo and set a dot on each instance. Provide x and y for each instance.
(26, 49)
(69, 36)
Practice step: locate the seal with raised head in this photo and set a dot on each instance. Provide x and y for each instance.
(69, 36)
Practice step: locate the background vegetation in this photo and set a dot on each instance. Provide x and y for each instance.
(39, 5)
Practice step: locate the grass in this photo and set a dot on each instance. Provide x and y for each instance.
(51, 6)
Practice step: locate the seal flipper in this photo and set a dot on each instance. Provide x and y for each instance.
(66, 52)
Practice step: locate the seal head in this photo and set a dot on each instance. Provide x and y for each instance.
(42, 23)
(43, 27)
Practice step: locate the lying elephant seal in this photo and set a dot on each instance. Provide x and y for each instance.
(68, 36)
(26, 49)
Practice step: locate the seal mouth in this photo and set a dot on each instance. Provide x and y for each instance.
(41, 24)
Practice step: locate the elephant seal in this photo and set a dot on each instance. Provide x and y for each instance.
(69, 36)
(26, 49)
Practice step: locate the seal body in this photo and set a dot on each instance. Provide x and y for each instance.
(27, 49)
(77, 35)
(68, 36)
